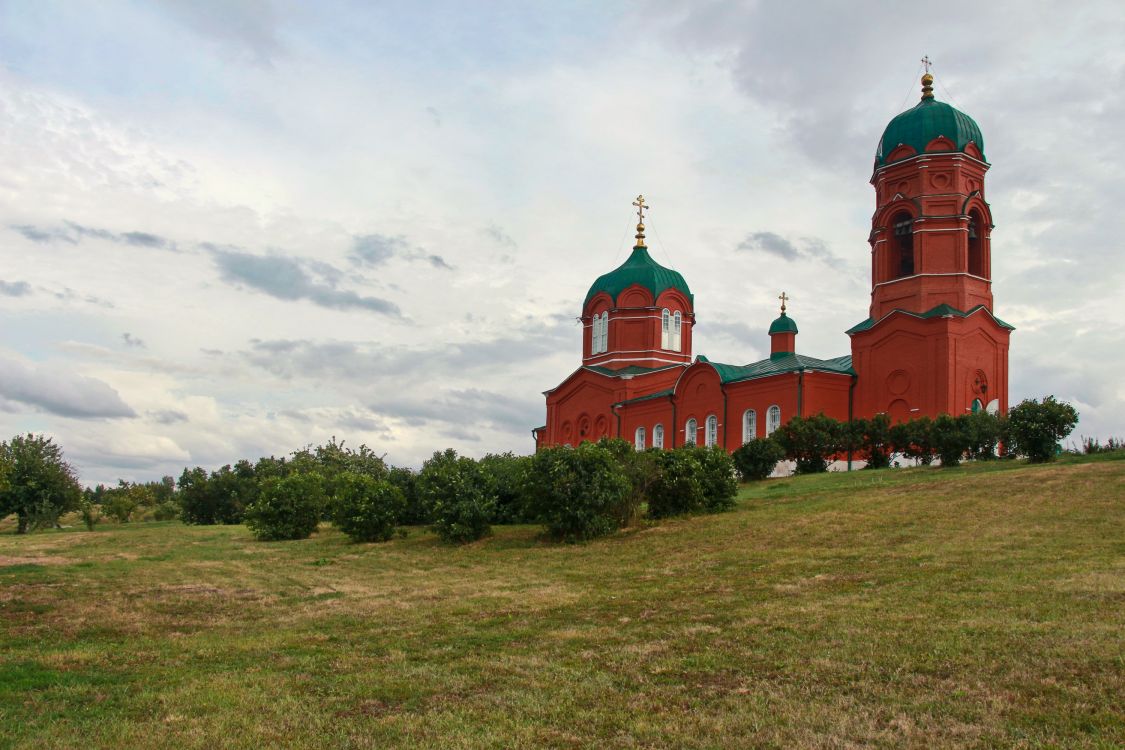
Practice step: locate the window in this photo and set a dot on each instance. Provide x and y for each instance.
(773, 419)
(665, 329)
(749, 425)
(676, 325)
(902, 259)
(658, 436)
(712, 436)
(639, 439)
(605, 331)
(690, 429)
(976, 244)
(599, 333)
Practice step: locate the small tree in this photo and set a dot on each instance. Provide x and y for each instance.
(455, 493)
(39, 485)
(873, 437)
(984, 434)
(678, 487)
(580, 493)
(757, 458)
(810, 441)
(951, 439)
(914, 439)
(716, 477)
(506, 475)
(1034, 428)
(287, 508)
(407, 483)
(365, 508)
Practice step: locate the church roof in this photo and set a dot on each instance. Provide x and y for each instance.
(783, 324)
(941, 311)
(641, 269)
(925, 121)
(629, 371)
(780, 365)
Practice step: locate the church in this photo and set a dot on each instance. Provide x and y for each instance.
(930, 343)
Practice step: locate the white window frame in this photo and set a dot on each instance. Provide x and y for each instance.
(605, 331)
(691, 431)
(665, 329)
(749, 425)
(711, 436)
(639, 438)
(773, 419)
(658, 436)
(677, 326)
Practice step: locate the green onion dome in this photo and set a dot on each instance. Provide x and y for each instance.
(925, 121)
(783, 324)
(640, 269)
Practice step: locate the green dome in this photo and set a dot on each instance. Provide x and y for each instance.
(641, 269)
(927, 120)
(784, 324)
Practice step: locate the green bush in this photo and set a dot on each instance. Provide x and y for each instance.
(951, 438)
(716, 477)
(287, 508)
(119, 505)
(811, 441)
(166, 511)
(678, 486)
(36, 483)
(221, 497)
(983, 433)
(91, 512)
(1035, 428)
(506, 477)
(407, 482)
(756, 459)
(365, 508)
(455, 493)
(914, 439)
(580, 493)
(873, 438)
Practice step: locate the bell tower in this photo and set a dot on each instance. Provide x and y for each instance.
(931, 343)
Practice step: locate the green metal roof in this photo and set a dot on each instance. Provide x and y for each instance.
(784, 324)
(780, 365)
(649, 397)
(941, 311)
(641, 269)
(925, 121)
(629, 371)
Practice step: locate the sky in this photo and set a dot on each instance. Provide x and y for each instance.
(234, 228)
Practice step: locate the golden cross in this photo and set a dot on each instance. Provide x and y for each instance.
(784, 298)
(926, 62)
(640, 204)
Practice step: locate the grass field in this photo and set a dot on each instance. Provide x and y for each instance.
(981, 607)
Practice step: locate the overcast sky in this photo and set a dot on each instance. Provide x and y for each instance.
(231, 229)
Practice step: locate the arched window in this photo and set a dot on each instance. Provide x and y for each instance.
(665, 329)
(676, 326)
(596, 334)
(605, 331)
(658, 436)
(690, 430)
(976, 244)
(639, 439)
(712, 437)
(773, 419)
(902, 258)
(749, 425)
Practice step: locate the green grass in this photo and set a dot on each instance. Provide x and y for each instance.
(981, 607)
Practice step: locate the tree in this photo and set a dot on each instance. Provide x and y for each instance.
(756, 459)
(1035, 428)
(873, 437)
(455, 493)
(914, 439)
(951, 438)
(984, 434)
(39, 485)
(287, 508)
(365, 508)
(810, 441)
(506, 474)
(580, 493)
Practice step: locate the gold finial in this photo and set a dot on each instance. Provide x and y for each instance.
(927, 79)
(640, 204)
(784, 298)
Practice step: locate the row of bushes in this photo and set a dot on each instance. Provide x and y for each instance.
(1032, 429)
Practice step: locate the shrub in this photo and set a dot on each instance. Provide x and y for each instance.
(580, 493)
(36, 483)
(716, 477)
(951, 438)
(983, 434)
(678, 487)
(914, 439)
(873, 437)
(119, 505)
(221, 497)
(365, 508)
(287, 508)
(756, 459)
(1035, 428)
(166, 511)
(506, 477)
(454, 491)
(810, 441)
(91, 512)
(407, 483)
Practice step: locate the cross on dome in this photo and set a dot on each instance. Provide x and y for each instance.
(641, 206)
(784, 298)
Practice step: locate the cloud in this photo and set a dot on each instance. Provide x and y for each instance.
(499, 236)
(245, 28)
(168, 416)
(377, 250)
(286, 278)
(14, 288)
(132, 341)
(59, 391)
(72, 233)
(804, 248)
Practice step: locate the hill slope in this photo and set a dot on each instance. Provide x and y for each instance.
(981, 606)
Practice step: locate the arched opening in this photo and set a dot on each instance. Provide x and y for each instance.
(976, 243)
(665, 329)
(712, 437)
(690, 430)
(639, 439)
(749, 425)
(773, 419)
(658, 436)
(605, 331)
(902, 245)
(677, 326)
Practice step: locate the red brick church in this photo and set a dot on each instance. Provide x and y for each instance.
(929, 345)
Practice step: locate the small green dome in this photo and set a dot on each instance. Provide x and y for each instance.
(641, 269)
(784, 324)
(927, 120)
